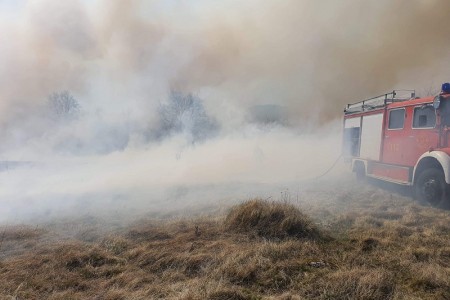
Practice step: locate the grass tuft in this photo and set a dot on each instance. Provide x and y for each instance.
(271, 220)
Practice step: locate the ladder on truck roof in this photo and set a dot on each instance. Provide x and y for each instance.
(379, 101)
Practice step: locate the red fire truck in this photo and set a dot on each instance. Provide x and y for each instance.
(403, 139)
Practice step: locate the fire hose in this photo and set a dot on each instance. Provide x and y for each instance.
(329, 169)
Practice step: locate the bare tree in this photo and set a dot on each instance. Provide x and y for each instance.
(63, 106)
(268, 114)
(432, 90)
(186, 113)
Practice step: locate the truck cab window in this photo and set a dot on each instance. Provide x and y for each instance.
(424, 117)
(445, 113)
(396, 119)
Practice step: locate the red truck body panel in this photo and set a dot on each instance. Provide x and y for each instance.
(408, 128)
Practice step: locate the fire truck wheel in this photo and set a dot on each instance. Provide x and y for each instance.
(431, 187)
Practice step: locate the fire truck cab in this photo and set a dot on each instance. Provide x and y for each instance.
(402, 139)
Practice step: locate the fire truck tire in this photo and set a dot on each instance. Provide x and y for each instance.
(431, 187)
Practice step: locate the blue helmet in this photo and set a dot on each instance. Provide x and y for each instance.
(446, 87)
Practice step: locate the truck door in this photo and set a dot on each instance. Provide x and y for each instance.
(395, 136)
(424, 134)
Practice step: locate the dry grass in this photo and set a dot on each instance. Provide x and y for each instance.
(380, 247)
(271, 220)
(17, 239)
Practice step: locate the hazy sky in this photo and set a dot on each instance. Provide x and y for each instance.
(310, 56)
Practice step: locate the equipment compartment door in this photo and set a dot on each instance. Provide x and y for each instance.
(352, 128)
(372, 126)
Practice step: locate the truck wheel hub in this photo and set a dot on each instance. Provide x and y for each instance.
(431, 190)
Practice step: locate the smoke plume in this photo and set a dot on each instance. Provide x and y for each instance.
(295, 63)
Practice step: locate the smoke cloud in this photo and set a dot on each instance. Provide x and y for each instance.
(295, 63)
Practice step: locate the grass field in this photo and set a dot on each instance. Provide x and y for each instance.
(355, 242)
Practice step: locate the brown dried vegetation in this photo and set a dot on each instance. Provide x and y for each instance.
(380, 248)
(271, 220)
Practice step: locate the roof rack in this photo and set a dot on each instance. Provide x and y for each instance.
(380, 101)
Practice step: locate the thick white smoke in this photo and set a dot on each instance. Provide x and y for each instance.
(269, 81)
